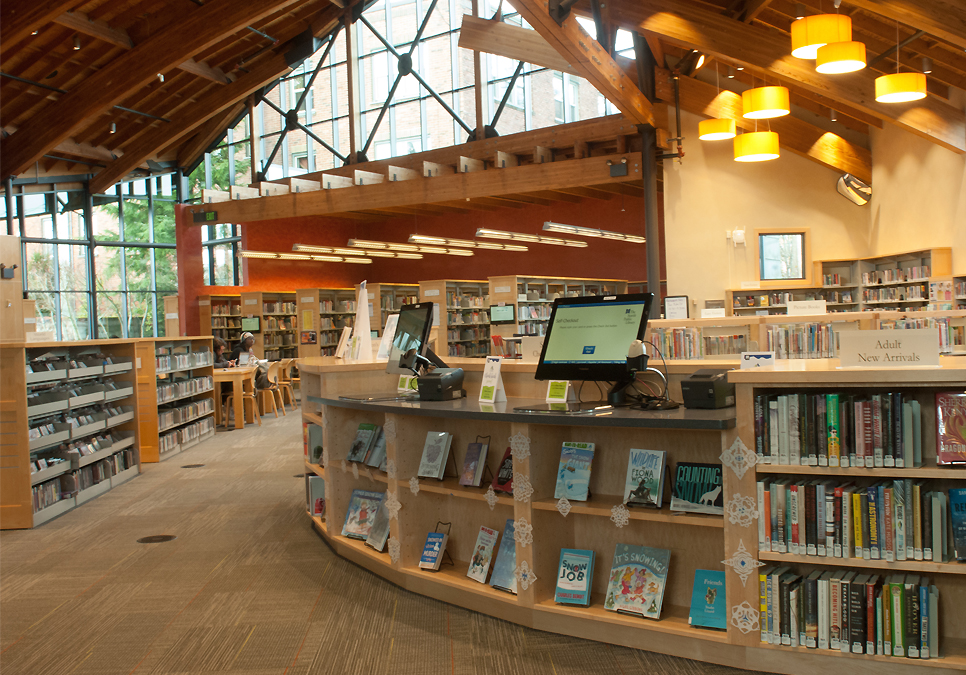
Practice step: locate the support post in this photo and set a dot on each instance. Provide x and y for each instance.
(8, 200)
(649, 168)
(92, 322)
(478, 83)
(252, 141)
(355, 100)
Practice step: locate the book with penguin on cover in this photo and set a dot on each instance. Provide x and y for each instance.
(697, 488)
(637, 579)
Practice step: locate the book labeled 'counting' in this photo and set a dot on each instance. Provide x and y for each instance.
(697, 488)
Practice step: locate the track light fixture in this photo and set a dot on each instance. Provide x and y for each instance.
(370, 246)
(592, 232)
(731, 72)
(76, 42)
(464, 243)
(531, 238)
(269, 255)
(832, 115)
(113, 127)
(926, 65)
(799, 11)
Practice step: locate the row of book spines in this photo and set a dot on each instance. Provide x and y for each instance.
(889, 520)
(851, 613)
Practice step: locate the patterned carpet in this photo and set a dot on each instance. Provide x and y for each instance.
(247, 587)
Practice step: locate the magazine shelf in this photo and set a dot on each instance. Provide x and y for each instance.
(600, 505)
(451, 487)
(674, 619)
(920, 566)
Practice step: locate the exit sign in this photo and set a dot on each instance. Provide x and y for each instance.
(205, 216)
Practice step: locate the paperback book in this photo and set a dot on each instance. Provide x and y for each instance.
(312, 440)
(503, 480)
(482, 554)
(645, 478)
(708, 606)
(315, 494)
(363, 505)
(573, 475)
(433, 550)
(435, 454)
(360, 446)
(951, 427)
(957, 515)
(575, 577)
(473, 464)
(379, 532)
(504, 569)
(697, 488)
(377, 454)
(637, 579)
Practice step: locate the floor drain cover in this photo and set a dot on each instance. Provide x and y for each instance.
(192, 466)
(157, 539)
(299, 475)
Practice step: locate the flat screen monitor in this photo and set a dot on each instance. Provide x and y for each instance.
(250, 324)
(501, 314)
(412, 332)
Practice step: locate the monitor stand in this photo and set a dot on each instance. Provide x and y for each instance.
(407, 360)
(568, 408)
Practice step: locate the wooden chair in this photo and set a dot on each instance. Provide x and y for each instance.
(270, 393)
(246, 397)
(285, 382)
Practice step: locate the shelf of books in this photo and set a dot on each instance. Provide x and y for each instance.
(386, 300)
(860, 489)
(220, 316)
(959, 292)
(461, 324)
(704, 338)
(69, 432)
(322, 315)
(176, 402)
(271, 318)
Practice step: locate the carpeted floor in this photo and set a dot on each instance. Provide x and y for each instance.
(247, 587)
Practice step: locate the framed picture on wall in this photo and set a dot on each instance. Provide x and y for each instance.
(676, 307)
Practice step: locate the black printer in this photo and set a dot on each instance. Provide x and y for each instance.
(708, 388)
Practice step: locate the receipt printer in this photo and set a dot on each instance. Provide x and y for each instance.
(441, 384)
(708, 388)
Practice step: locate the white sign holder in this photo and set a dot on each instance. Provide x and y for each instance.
(916, 348)
(751, 360)
(385, 345)
(491, 388)
(343, 342)
(362, 336)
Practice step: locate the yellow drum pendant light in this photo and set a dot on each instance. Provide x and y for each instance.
(756, 146)
(840, 57)
(900, 87)
(764, 103)
(811, 32)
(716, 130)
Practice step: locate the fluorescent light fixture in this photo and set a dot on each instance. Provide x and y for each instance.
(269, 255)
(307, 248)
(592, 232)
(463, 243)
(406, 248)
(532, 238)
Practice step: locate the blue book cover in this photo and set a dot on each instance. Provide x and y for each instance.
(708, 606)
(433, 550)
(957, 515)
(363, 505)
(504, 569)
(573, 476)
(637, 579)
(697, 489)
(575, 577)
(645, 478)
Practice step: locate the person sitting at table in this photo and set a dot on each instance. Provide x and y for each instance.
(221, 360)
(245, 346)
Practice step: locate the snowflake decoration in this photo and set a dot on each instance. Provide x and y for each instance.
(325, 457)
(391, 469)
(742, 562)
(368, 473)
(744, 617)
(522, 488)
(620, 515)
(392, 505)
(394, 549)
(739, 458)
(519, 446)
(741, 510)
(563, 505)
(525, 576)
(345, 467)
(414, 485)
(491, 497)
(355, 471)
(523, 532)
(389, 430)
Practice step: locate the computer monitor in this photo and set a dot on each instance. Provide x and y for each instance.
(412, 332)
(500, 314)
(250, 324)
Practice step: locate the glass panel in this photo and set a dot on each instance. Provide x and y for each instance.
(40, 267)
(74, 316)
(224, 265)
(298, 155)
(109, 313)
(138, 188)
(140, 315)
(46, 313)
(34, 204)
(205, 267)
(106, 227)
(437, 61)
(40, 227)
(164, 222)
(73, 267)
(107, 268)
(136, 219)
(166, 269)
(243, 163)
(70, 215)
(139, 269)
(164, 185)
(782, 256)
(196, 181)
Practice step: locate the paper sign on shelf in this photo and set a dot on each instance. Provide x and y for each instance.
(340, 351)
(750, 285)
(889, 348)
(676, 307)
(407, 383)
(757, 359)
(251, 301)
(307, 319)
(204, 303)
(502, 289)
(435, 313)
(385, 344)
(171, 315)
(560, 391)
(806, 307)
(491, 389)
(713, 313)
(431, 293)
(307, 298)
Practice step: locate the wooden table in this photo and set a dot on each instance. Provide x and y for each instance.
(240, 379)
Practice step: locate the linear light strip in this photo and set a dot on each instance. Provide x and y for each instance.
(268, 255)
(464, 243)
(592, 232)
(370, 245)
(531, 238)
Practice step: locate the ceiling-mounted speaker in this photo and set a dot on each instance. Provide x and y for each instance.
(856, 191)
(302, 47)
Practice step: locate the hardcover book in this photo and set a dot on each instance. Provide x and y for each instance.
(363, 439)
(361, 513)
(697, 488)
(951, 427)
(957, 515)
(482, 554)
(573, 475)
(315, 494)
(312, 438)
(435, 454)
(644, 485)
(575, 576)
(379, 532)
(473, 464)
(637, 579)
(708, 600)
(504, 569)
(377, 454)
(503, 480)
(433, 550)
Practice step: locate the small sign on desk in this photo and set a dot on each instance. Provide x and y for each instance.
(889, 348)
(806, 307)
(491, 388)
(751, 360)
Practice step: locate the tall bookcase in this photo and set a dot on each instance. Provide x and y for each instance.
(386, 299)
(322, 314)
(461, 325)
(220, 316)
(67, 418)
(959, 292)
(277, 334)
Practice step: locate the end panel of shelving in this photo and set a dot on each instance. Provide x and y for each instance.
(147, 396)
(16, 503)
(450, 584)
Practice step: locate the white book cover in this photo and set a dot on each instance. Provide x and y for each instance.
(794, 435)
(482, 554)
(435, 454)
(783, 429)
(908, 444)
(763, 543)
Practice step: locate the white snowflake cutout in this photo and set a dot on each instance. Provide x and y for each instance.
(392, 505)
(523, 532)
(325, 457)
(394, 549)
(525, 576)
(345, 467)
(563, 505)
(744, 617)
(522, 488)
(739, 457)
(519, 446)
(414, 485)
(355, 470)
(389, 430)
(491, 497)
(620, 515)
(742, 562)
(741, 510)
(368, 472)
(391, 469)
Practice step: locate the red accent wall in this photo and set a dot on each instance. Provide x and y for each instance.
(601, 259)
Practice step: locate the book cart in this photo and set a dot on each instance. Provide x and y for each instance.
(277, 334)
(77, 393)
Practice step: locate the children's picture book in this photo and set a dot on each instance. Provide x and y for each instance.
(361, 513)
(573, 475)
(503, 480)
(315, 494)
(482, 554)
(435, 454)
(957, 516)
(575, 576)
(951, 427)
(379, 532)
(708, 606)
(363, 439)
(697, 488)
(504, 569)
(377, 454)
(473, 464)
(313, 443)
(637, 579)
(645, 478)
(433, 550)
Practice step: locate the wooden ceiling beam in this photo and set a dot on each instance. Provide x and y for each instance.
(767, 51)
(514, 42)
(945, 19)
(20, 18)
(752, 9)
(207, 134)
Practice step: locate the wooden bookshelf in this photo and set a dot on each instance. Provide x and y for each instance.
(322, 314)
(220, 316)
(277, 334)
(386, 299)
(461, 325)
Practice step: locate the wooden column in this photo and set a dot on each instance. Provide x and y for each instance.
(252, 141)
(478, 84)
(355, 102)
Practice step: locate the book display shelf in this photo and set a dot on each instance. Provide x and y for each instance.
(176, 395)
(68, 424)
(700, 338)
(277, 336)
(959, 292)
(461, 325)
(322, 314)
(387, 299)
(220, 316)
